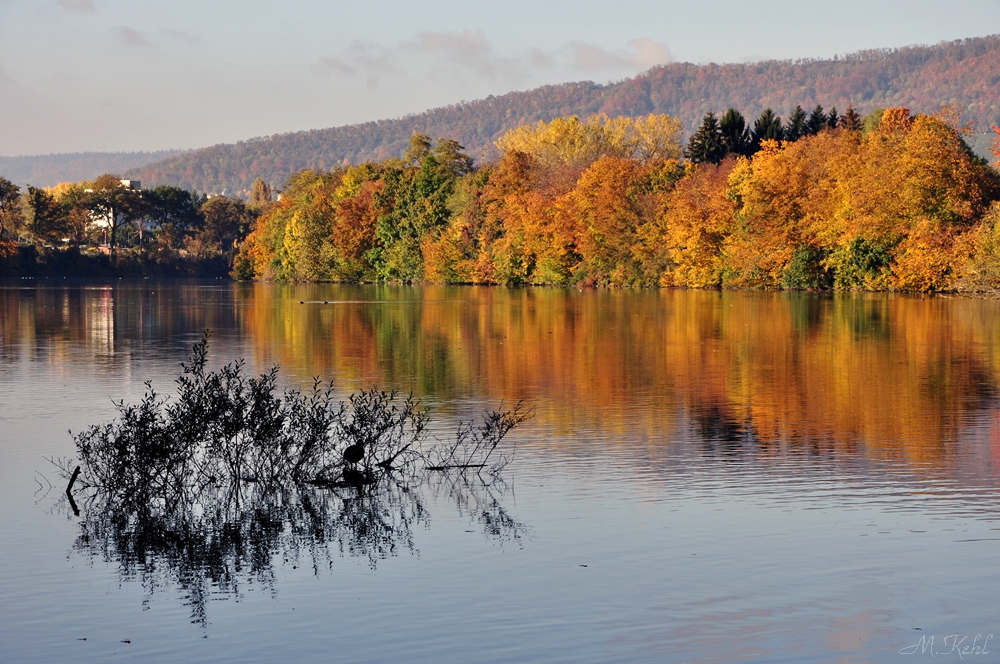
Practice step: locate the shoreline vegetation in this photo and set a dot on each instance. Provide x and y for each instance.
(820, 201)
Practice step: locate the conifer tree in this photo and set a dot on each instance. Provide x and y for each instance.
(832, 119)
(735, 133)
(851, 120)
(767, 127)
(816, 122)
(796, 127)
(706, 145)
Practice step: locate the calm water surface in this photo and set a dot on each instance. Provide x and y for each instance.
(709, 477)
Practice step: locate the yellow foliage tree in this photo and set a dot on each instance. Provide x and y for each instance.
(697, 217)
(569, 140)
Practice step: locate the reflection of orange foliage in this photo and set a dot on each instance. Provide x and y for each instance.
(895, 377)
(891, 377)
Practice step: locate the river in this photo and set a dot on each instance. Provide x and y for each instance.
(706, 476)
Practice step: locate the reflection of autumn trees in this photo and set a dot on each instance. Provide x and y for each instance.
(891, 376)
(895, 376)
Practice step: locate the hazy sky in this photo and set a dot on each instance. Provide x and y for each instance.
(111, 75)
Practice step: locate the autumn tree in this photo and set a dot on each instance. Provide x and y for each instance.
(260, 194)
(569, 140)
(73, 200)
(355, 222)
(995, 147)
(609, 205)
(850, 120)
(11, 218)
(911, 191)
(420, 147)
(696, 218)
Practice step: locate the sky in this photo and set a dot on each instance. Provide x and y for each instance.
(111, 75)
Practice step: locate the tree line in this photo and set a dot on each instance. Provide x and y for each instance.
(108, 215)
(892, 201)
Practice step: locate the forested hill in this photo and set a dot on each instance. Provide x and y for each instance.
(964, 72)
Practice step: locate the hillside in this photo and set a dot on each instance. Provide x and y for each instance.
(964, 72)
(50, 169)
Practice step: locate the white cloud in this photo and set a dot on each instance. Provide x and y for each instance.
(641, 53)
(648, 53)
(84, 6)
(131, 37)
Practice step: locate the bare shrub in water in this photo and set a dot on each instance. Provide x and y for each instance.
(225, 428)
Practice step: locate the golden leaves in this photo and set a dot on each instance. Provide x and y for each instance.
(570, 141)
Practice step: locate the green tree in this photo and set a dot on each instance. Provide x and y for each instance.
(796, 127)
(706, 144)
(451, 160)
(227, 220)
(767, 127)
(44, 216)
(260, 193)
(735, 133)
(817, 121)
(175, 213)
(872, 120)
(114, 205)
(420, 147)
(832, 120)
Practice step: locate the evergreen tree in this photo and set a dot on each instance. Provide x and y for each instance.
(832, 119)
(767, 127)
(796, 127)
(735, 133)
(851, 120)
(817, 121)
(706, 145)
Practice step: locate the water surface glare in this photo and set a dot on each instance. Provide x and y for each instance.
(708, 477)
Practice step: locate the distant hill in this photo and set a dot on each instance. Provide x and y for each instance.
(964, 72)
(50, 169)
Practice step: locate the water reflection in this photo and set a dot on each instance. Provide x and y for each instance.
(899, 378)
(214, 543)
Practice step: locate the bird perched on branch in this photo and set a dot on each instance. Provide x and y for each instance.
(355, 453)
